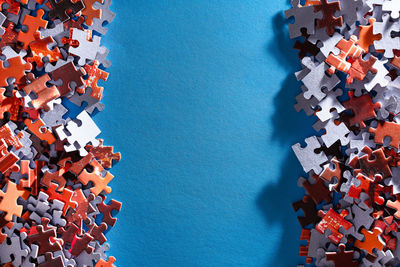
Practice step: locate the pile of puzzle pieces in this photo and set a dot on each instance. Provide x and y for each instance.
(350, 57)
(54, 171)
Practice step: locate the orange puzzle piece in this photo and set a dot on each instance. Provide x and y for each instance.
(108, 263)
(38, 129)
(40, 49)
(90, 12)
(65, 196)
(394, 205)
(366, 36)
(7, 159)
(33, 24)
(371, 240)
(16, 70)
(11, 105)
(390, 129)
(347, 49)
(9, 137)
(100, 182)
(9, 201)
(104, 154)
(95, 74)
(43, 93)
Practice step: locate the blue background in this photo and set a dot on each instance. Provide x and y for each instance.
(200, 104)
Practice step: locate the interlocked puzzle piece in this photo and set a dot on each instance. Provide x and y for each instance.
(79, 135)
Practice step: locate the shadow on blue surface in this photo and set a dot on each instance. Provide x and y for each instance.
(289, 127)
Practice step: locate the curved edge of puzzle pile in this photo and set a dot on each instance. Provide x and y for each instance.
(350, 57)
(54, 172)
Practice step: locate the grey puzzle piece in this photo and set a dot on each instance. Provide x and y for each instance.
(53, 117)
(307, 156)
(86, 50)
(308, 105)
(393, 7)
(386, 28)
(349, 10)
(85, 259)
(101, 57)
(362, 218)
(328, 103)
(13, 249)
(333, 132)
(107, 16)
(92, 103)
(317, 80)
(2, 20)
(394, 180)
(304, 17)
(27, 262)
(39, 207)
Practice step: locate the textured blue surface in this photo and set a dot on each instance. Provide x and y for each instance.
(200, 103)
